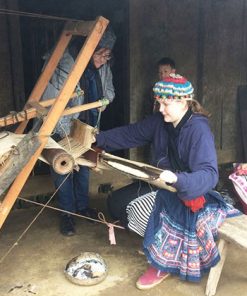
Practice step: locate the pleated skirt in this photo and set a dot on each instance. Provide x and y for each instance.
(184, 242)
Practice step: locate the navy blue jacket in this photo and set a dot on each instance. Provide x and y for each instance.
(195, 146)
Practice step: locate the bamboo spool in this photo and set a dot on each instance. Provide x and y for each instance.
(61, 161)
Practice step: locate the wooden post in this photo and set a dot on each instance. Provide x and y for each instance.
(57, 108)
(46, 75)
(215, 272)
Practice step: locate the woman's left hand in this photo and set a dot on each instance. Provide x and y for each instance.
(168, 177)
(102, 108)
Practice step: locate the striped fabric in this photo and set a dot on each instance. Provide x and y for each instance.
(138, 212)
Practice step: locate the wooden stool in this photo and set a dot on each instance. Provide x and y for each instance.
(233, 230)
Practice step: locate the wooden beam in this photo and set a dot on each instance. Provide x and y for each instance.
(81, 28)
(46, 75)
(32, 112)
(55, 111)
(29, 113)
(40, 110)
(50, 102)
(84, 107)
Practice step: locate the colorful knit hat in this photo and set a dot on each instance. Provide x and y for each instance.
(173, 87)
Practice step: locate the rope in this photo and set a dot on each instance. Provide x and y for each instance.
(34, 219)
(97, 126)
(111, 226)
(104, 102)
(35, 15)
(101, 220)
(66, 136)
(100, 214)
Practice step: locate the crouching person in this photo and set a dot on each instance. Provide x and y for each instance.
(180, 228)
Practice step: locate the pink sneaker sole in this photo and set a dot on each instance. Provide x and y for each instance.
(142, 286)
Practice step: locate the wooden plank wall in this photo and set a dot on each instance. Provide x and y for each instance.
(207, 39)
(11, 78)
(39, 36)
(5, 68)
(224, 69)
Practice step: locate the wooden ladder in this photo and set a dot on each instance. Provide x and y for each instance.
(94, 31)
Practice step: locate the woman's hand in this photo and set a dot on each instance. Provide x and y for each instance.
(93, 134)
(102, 108)
(168, 177)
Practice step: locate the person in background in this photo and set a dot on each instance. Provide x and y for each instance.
(97, 79)
(179, 228)
(73, 189)
(166, 66)
(107, 82)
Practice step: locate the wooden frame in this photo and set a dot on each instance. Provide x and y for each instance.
(93, 31)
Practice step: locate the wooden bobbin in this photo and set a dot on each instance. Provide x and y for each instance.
(61, 161)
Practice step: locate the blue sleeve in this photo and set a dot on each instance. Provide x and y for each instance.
(202, 161)
(129, 136)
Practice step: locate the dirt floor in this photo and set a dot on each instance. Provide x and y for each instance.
(35, 265)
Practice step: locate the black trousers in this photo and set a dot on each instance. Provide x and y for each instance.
(117, 202)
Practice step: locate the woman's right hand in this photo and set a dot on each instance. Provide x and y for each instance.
(168, 177)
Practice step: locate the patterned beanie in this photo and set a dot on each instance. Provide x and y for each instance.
(173, 87)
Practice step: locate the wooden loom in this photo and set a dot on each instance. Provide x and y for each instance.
(94, 31)
(233, 230)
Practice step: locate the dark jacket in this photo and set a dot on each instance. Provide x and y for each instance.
(92, 86)
(195, 145)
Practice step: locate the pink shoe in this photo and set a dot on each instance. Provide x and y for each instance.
(151, 278)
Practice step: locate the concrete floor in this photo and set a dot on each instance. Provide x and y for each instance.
(35, 266)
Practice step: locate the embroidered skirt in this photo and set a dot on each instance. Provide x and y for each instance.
(183, 243)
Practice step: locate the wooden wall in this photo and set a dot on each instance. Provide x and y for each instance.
(207, 39)
(11, 74)
(39, 35)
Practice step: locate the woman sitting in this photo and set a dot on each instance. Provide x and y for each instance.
(179, 228)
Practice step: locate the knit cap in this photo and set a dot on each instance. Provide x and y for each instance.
(108, 39)
(174, 86)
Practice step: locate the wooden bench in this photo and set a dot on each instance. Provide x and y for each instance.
(233, 230)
